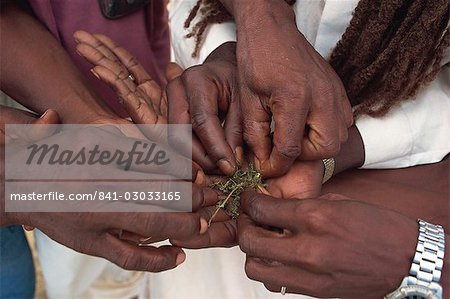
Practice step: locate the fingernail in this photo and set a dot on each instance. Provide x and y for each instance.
(257, 163)
(203, 226)
(239, 152)
(181, 257)
(45, 113)
(95, 74)
(200, 177)
(226, 166)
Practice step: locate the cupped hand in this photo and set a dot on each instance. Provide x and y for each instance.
(332, 247)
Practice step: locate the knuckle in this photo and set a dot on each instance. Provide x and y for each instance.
(314, 259)
(126, 260)
(158, 263)
(245, 241)
(131, 62)
(251, 269)
(256, 210)
(199, 120)
(316, 218)
(289, 150)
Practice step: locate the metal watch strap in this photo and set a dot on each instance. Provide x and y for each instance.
(426, 267)
(328, 165)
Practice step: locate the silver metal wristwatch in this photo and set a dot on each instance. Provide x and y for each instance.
(426, 268)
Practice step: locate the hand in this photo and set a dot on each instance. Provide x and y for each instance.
(221, 233)
(303, 180)
(282, 76)
(115, 235)
(112, 64)
(142, 98)
(331, 246)
(206, 96)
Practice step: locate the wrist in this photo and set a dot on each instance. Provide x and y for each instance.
(90, 109)
(352, 152)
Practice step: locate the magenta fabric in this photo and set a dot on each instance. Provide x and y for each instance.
(145, 33)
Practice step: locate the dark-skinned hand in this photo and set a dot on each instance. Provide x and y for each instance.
(332, 246)
(282, 78)
(141, 97)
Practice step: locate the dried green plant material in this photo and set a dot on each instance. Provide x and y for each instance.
(233, 187)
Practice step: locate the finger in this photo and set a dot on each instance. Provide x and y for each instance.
(132, 65)
(220, 234)
(34, 129)
(206, 123)
(275, 275)
(322, 139)
(165, 225)
(131, 257)
(289, 127)
(50, 117)
(256, 129)
(268, 210)
(209, 212)
(83, 37)
(129, 61)
(133, 100)
(173, 70)
(42, 130)
(233, 131)
(178, 113)
(97, 58)
(260, 242)
(203, 197)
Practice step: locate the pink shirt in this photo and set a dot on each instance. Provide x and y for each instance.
(145, 33)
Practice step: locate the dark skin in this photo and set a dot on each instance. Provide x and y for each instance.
(314, 95)
(91, 233)
(48, 78)
(372, 206)
(378, 210)
(30, 77)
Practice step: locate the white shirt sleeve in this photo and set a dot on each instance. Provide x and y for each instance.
(182, 47)
(416, 132)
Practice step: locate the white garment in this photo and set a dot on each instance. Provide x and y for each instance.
(415, 132)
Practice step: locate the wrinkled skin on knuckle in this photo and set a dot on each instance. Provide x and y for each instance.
(251, 269)
(290, 150)
(315, 217)
(329, 146)
(245, 241)
(126, 260)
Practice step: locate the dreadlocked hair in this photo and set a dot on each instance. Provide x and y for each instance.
(390, 50)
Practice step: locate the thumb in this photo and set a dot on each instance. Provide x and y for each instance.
(43, 130)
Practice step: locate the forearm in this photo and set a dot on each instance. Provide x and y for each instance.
(37, 72)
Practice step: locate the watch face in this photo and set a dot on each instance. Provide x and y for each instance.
(414, 292)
